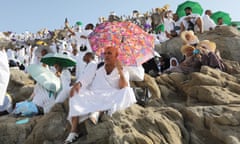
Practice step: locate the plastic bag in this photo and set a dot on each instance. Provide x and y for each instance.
(136, 73)
(25, 108)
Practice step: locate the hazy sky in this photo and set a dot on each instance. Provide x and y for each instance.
(33, 15)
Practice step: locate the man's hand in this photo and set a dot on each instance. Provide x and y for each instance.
(76, 87)
(119, 66)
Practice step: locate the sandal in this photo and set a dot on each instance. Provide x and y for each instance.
(72, 137)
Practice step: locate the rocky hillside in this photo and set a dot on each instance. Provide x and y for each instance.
(199, 108)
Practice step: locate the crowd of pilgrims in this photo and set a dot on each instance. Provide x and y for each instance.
(76, 45)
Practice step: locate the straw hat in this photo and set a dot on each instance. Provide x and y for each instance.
(184, 33)
(166, 7)
(185, 48)
(208, 45)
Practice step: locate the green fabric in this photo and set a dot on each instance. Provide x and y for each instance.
(220, 14)
(195, 6)
(62, 59)
(160, 28)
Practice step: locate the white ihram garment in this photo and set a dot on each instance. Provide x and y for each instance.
(103, 94)
(88, 74)
(193, 19)
(43, 98)
(208, 23)
(65, 86)
(4, 75)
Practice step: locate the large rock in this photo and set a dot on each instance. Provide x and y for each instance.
(20, 85)
(221, 123)
(213, 86)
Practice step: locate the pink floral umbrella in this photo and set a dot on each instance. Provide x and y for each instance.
(136, 45)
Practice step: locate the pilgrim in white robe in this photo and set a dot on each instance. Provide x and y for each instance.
(193, 19)
(43, 98)
(103, 94)
(4, 75)
(82, 42)
(88, 74)
(208, 23)
(65, 79)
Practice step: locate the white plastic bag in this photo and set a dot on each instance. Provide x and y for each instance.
(136, 73)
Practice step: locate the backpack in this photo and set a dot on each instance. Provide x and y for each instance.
(142, 95)
(190, 26)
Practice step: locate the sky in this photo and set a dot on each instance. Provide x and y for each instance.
(32, 15)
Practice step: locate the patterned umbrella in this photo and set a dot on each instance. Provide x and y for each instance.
(195, 6)
(220, 14)
(136, 45)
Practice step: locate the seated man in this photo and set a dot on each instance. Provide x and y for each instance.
(109, 91)
(191, 20)
(209, 24)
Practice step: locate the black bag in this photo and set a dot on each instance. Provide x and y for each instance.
(142, 95)
(83, 48)
(190, 26)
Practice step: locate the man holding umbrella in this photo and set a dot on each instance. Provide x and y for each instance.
(110, 91)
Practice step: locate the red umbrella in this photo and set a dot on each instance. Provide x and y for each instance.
(136, 45)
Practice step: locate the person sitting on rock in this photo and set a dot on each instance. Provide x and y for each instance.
(65, 77)
(191, 20)
(209, 57)
(109, 91)
(190, 64)
(209, 24)
(192, 61)
(173, 64)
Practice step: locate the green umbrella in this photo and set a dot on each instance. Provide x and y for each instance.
(220, 14)
(62, 59)
(195, 6)
(44, 77)
(236, 24)
(79, 23)
(160, 28)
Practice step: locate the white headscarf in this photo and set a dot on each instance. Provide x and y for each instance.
(172, 59)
